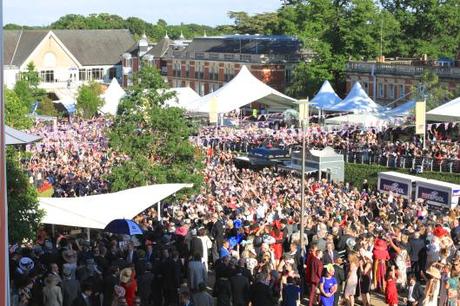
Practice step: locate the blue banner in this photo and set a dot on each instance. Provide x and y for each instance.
(394, 186)
(433, 195)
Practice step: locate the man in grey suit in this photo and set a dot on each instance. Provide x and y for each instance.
(70, 287)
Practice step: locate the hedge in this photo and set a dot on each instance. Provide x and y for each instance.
(356, 173)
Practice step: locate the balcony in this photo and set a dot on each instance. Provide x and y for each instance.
(401, 69)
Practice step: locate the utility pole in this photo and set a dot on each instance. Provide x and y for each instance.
(303, 117)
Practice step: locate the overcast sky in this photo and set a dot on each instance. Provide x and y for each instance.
(210, 12)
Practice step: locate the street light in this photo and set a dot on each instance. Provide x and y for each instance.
(303, 118)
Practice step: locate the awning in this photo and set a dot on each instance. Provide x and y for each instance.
(98, 210)
(15, 137)
(449, 111)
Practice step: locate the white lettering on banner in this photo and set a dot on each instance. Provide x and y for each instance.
(393, 188)
(432, 196)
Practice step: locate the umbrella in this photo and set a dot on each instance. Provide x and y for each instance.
(123, 226)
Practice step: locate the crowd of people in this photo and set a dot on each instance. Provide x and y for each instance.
(73, 156)
(237, 242)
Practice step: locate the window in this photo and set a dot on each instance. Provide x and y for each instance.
(288, 76)
(366, 87)
(381, 94)
(82, 75)
(213, 72)
(97, 73)
(112, 73)
(228, 57)
(229, 71)
(199, 70)
(47, 76)
(402, 91)
(176, 69)
(187, 70)
(391, 91)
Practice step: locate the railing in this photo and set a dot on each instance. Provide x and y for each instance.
(405, 162)
(390, 68)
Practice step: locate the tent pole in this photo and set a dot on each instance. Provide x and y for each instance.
(159, 211)
(88, 234)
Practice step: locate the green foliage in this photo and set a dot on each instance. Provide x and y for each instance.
(46, 108)
(356, 173)
(264, 23)
(430, 88)
(153, 137)
(26, 88)
(16, 112)
(24, 216)
(89, 100)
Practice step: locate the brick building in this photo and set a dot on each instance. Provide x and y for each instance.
(386, 81)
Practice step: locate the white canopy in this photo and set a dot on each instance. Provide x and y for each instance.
(402, 110)
(326, 97)
(98, 210)
(357, 101)
(15, 137)
(364, 120)
(449, 111)
(183, 99)
(242, 90)
(112, 97)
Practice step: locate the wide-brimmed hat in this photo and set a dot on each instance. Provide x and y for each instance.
(26, 264)
(434, 272)
(181, 231)
(70, 256)
(125, 275)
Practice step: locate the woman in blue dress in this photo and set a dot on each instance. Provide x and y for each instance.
(328, 286)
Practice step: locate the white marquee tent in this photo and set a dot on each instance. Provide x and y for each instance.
(112, 97)
(357, 101)
(363, 120)
(449, 111)
(183, 99)
(402, 110)
(242, 90)
(98, 210)
(326, 97)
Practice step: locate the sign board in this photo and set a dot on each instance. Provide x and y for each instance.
(396, 186)
(213, 105)
(439, 193)
(420, 114)
(303, 110)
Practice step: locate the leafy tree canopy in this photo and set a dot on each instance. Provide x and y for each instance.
(24, 216)
(89, 100)
(16, 112)
(154, 138)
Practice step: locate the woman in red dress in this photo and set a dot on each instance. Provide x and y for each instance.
(391, 292)
(277, 247)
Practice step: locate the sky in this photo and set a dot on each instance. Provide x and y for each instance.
(209, 12)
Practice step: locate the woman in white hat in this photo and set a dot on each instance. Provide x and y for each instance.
(432, 287)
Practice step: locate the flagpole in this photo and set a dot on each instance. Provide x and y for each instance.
(4, 267)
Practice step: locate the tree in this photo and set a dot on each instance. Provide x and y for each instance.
(46, 108)
(24, 215)
(26, 88)
(155, 138)
(264, 23)
(89, 100)
(430, 88)
(16, 113)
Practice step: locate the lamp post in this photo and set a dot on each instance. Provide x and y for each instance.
(4, 264)
(303, 117)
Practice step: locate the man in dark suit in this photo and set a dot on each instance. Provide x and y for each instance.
(260, 293)
(339, 274)
(131, 254)
(240, 288)
(415, 292)
(330, 255)
(217, 236)
(144, 285)
(416, 247)
(84, 298)
(110, 280)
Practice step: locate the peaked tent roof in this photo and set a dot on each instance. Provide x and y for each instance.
(243, 89)
(357, 101)
(401, 110)
(15, 137)
(449, 111)
(183, 99)
(97, 211)
(112, 97)
(326, 97)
